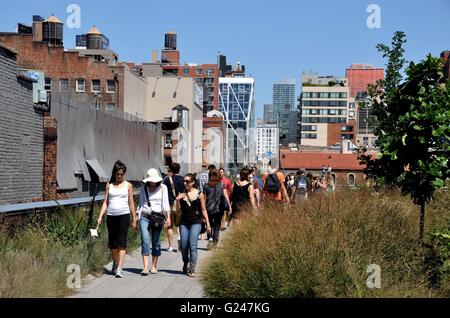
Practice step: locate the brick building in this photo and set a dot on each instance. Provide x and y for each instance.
(346, 169)
(359, 76)
(95, 73)
(22, 132)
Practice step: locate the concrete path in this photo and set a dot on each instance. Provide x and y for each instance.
(169, 282)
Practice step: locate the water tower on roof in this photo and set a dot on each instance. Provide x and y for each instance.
(170, 40)
(95, 40)
(52, 30)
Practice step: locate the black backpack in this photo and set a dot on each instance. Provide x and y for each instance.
(272, 184)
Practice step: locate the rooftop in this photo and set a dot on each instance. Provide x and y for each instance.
(315, 161)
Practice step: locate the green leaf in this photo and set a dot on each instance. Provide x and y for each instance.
(417, 127)
(439, 183)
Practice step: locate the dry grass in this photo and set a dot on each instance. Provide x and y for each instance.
(322, 248)
(34, 259)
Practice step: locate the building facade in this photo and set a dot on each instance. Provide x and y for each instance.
(284, 107)
(173, 99)
(267, 147)
(235, 103)
(22, 131)
(359, 76)
(325, 110)
(269, 114)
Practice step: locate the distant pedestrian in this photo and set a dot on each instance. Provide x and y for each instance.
(290, 186)
(257, 186)
(193, 209)
(215, 195)
(274, 187)
(242, 196)
(118, 204)
(153, 211)
(301, 185)
(174, 184)
(228, 186)
(318, 185)
(329, 182)
(203, 177)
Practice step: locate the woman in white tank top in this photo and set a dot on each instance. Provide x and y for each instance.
(118, 205)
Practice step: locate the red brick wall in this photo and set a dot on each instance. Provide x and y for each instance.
(50, 148)
(57, 64)
(358, 79)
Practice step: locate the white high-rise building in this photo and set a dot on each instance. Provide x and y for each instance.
(266, 142)
(236, 104)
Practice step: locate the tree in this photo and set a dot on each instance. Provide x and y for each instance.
(412, 126)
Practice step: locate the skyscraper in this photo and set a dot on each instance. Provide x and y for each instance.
(270, 116)
(284, 108)
(236, 103)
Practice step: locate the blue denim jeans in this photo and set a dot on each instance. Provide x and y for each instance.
(189, 239)
(146, 233)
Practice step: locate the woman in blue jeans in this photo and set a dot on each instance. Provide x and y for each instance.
(192, 205)
(152, 199)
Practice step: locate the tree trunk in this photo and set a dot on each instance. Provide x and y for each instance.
(422, 221)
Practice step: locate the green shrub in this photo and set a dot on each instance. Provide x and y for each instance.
(322, 247)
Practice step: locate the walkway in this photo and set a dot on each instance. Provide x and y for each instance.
(169, 282)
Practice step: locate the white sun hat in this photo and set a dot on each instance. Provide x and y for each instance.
(152, 176)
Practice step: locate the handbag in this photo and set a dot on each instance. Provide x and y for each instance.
(157, 219)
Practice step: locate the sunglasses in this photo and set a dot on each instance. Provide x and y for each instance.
(187, 181)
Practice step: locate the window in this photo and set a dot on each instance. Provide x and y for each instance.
(81, 85)
(351, 114)
(48, 84)
(351, 180)
(186, 71)
(342, 95)
(63, 84)
(111, 86)
(209, 71)
(96, 86)
(199, 71)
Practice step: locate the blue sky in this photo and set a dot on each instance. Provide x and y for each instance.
(275, 39)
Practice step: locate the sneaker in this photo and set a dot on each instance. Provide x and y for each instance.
(114, 268)
(170, 249)
(210, 239)
(119, 273)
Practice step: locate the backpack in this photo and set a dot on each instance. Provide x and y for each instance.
(272, 184)
(302, 186)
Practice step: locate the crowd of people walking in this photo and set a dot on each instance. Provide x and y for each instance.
(194, 207)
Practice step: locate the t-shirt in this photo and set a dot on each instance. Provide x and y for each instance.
(213, 196)
(275, 196)
(202, 179)
(227, 183)
(178, 182)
